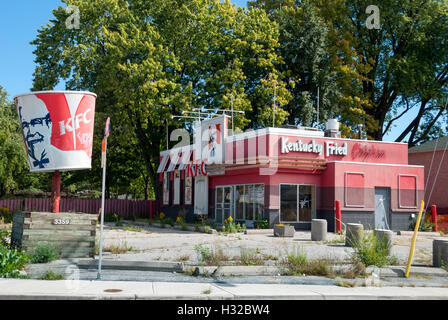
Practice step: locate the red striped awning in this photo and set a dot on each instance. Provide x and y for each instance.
(185, 159)
(163, 161)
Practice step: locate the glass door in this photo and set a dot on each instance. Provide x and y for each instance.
(224, 203)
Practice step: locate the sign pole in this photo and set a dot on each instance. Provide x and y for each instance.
(103, 165)
(55, 192)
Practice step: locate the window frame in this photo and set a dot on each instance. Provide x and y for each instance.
(313, 212)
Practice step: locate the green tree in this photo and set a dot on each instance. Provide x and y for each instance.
(407, 58)
(149, 60)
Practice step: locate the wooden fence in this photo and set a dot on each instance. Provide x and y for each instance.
(124, 208)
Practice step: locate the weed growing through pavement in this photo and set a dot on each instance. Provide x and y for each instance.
(371, 250)
(249, 257)
(118, 249)
(210, 257)
(298, 264)
(207, 291)
(345, 284)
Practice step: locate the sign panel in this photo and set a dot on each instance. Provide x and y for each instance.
(210, 140)
(188, 189)
(57, 129)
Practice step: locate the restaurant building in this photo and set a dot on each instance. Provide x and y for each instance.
(290, 175)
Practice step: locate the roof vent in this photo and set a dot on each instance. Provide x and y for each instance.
(332, 128)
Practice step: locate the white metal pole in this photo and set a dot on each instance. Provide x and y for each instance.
(102, 212)
(232, 114)
(167, 135)
(275, 92)
(318, 107)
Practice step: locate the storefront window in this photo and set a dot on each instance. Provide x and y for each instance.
(297, 203)
(248, 202)
(288, 202)
(306, 203)
(258, 201)
(239, 202)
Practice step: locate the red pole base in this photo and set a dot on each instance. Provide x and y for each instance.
(434, 217)
(55, 192)
(338, 217)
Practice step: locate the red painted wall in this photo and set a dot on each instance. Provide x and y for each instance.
(439, 193)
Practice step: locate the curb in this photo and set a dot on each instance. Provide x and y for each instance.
(420, 234)
(399, 271)
(220, 271)
(259, 231)
(164, 266)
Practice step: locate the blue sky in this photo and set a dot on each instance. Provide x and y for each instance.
(19, 22)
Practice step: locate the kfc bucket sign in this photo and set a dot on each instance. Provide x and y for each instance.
(57, 129)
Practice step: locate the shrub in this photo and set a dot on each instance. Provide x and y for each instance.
(5, 215)
(182, 223)
(110, 217)
(229, 225)
(11, 262)
(167, 221)
(425, 223)
(370, 250)
(44, 253)
(4, 238)
(206, 229)
(262, 224)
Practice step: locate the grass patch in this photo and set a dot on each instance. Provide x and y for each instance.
(345, 284)
(211, 256)
(134, 229)
(298, 264)
(251, 258)
(339, 240)
(207, 291)
(118, 249)
(50, 275)
(270, 257)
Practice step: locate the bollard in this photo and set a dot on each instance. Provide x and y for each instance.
(353, 233)
(434, 217)
(338, 217)
(384, 234)
(439, 251)
(318, 230)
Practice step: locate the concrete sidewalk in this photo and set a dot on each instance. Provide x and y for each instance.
(127, 290)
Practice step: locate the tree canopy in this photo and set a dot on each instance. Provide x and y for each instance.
(150, 60)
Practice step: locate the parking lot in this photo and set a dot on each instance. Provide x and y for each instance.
(147, 243)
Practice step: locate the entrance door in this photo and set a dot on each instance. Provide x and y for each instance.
(224, 203)
(201, 195)
(382, 208)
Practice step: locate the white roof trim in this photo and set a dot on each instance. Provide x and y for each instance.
(377, 164)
